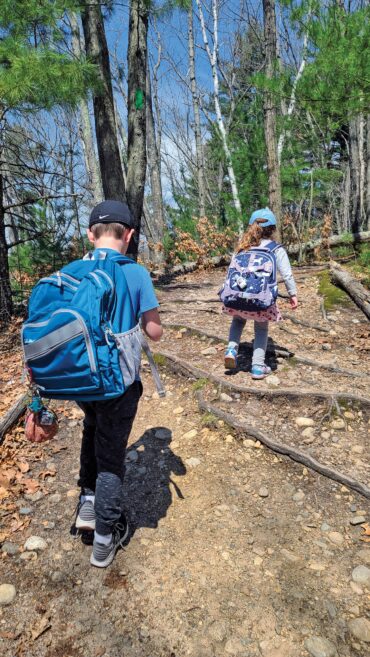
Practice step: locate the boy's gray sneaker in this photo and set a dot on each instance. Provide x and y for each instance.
(103, 555)
(85, 518)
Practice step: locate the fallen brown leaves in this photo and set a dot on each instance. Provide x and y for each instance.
(365, 536)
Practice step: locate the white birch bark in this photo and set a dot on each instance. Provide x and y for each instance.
(212, 56)
(197, 129)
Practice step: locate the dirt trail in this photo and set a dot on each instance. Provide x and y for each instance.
(235, 551)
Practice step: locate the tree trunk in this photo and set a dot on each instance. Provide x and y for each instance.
(136, 155)
(358, 293)
(334, 240)
(6, 301)
(368, 171)
(269, 107)
(355, 175)
(105, 123)
(197, 129)
(157, 214)
(86, 134)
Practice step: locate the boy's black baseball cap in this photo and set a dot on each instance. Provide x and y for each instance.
(109, 212)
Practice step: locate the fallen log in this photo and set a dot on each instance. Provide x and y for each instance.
(180, 366)
(358, 293)
(334, 240)
(287, 450)
(277, 351)
(12, 416)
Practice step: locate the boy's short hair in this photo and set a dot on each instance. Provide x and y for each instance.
(116, 230)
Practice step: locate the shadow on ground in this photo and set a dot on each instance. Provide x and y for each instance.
(150, 464)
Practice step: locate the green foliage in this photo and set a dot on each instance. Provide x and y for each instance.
(33, 69)
(333, 296)
(199, 384)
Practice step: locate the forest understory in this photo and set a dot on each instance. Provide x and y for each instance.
(235, 549)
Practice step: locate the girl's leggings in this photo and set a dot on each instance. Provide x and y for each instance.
(261, 330)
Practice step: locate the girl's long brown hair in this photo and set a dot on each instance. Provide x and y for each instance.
(254, 234)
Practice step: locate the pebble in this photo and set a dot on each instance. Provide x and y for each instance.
(210, 351)
(28, 556)
(308, 432)
(234, 646)
(325, 435)
(360, 629)
(361, 575)
(192, 462)
(217, 630)
(34, 497)
(34, 543)
(325, 527)
(338, 423)
(357, 520)
(336, 538)
(25, 511)
(349, 415)
(356, 588)
(353, 508)
(273, 380)
(304, 422)
(73, 492)
(319, 647)
(364, 555)
(9, 548)
(357, 449)
(7, 594)
(248, 442)
(178, 410)
(225, 398)
(263, 492)
(55, 498)
(190, 434)
(299, 496)
(288, 555)
(162, 434)
(132, 456)
(326, 346)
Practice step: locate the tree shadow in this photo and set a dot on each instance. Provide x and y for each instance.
(150, 462)
(244, 361)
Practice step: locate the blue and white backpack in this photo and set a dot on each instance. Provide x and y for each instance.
(251, 280)
(70, 349)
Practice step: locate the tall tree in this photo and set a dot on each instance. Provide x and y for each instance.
(154, 166)
(196, 113)
(270, 110)
(103, 101)
(136, 138)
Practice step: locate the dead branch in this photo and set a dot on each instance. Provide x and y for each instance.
(12, 416)
(295, 320)
(334, 240)
(358, 293)
(180, 366)
(281, 448)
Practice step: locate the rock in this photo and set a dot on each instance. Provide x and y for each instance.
(28, 556)
(217, 630)
(304, 422)
(162, 434)
(336, 538)
(55, 498)
(349, 415)
(364, 555)
(356, 588)
(35, 543)
(178, 410)
(289, 556)
(325, 527)
(132, 456)
(34, 497)
(7, 594)
(360, 629)
(210, 351)
(234, 646)
(319, 647)
(9, 548)
(190, 434)
(225, 398)
(25, 511)
(299, 496)
(325, 435)
(74, 492)
(229, 438)
(357, 520)
(353, 508)
(57, 577)
(361, 575)
(263, 492)
(248, 442)
(326, 346)
(357, 449)
(308, 432)
(273, 380)
(258, 561)
(192, 462)
(338, 423)
(317, 566)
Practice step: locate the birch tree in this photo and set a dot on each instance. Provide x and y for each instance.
(196, 113)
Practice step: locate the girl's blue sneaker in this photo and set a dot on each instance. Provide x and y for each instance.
(230, 358)
(260, 371)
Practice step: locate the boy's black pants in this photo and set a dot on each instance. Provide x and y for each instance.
(106, 429)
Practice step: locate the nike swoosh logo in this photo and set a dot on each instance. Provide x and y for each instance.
(103, 216)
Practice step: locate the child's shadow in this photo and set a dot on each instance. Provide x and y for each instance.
(244, 361)
(149, 465)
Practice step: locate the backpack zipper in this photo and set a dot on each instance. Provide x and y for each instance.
(90, 352)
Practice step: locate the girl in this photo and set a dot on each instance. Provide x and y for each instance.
(260, 232)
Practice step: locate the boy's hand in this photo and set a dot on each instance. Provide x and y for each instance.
(293, 303)
(151, 324)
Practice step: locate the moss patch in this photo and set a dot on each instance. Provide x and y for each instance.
(333, 296)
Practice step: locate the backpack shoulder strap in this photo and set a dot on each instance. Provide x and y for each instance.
(273, 246)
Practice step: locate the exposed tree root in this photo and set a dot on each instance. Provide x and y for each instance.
(281, 448)
(180, 366)
(316, 327)
(12, 416)
(273, 350)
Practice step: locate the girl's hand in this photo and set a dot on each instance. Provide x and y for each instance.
(293, 302)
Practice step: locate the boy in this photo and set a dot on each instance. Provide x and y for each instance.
(107, 423)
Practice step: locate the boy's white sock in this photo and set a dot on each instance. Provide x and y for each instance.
(103, 539)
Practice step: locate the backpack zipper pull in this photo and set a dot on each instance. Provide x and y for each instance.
(59, 279)
(108, 332)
